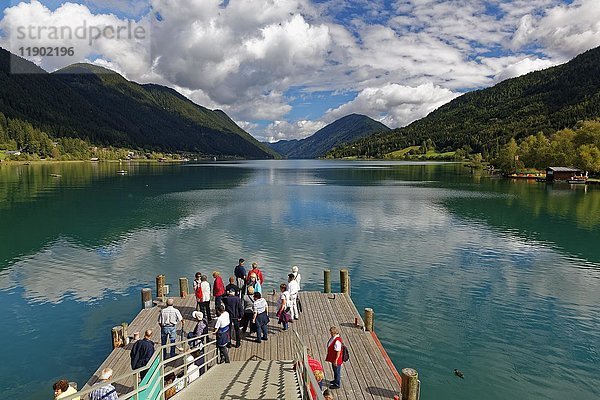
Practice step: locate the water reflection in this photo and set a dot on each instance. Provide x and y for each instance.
(90, 204)
(497, 279)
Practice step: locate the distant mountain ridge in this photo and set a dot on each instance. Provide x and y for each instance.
(546, 101)
(97, 104)
(344, 130)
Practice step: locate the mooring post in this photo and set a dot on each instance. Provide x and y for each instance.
(116, 336)
(183, 287)
(146, 298)
(327, 281)
(410, 384)
(369, 319)
(125, 325)
(160, 287)
(344, 281)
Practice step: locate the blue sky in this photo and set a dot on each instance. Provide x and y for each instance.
(283, 69)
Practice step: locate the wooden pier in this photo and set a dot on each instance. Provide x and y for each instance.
(369, 374)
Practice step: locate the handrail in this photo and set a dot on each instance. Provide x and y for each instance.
(306, 377)
(153, 382)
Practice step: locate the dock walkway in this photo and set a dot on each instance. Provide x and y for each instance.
(367, 375)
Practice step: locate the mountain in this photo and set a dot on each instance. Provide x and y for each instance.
(97, 104)
(344, 130)
(542, 101)
(284, 147)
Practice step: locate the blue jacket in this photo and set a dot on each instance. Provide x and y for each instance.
(141, 353)
(239, 271)
(233, 305)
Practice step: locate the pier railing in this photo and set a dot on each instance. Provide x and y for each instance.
(154, 385)
(306, 377)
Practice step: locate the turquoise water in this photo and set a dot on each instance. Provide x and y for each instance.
(498, 279)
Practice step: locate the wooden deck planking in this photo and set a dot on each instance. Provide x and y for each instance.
(338, 315)
(119, 359)
(365, 377)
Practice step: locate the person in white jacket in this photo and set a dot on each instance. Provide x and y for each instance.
(293, 288)
(205, 305)
(297, 276)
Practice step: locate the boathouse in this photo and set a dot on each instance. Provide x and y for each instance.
(561, 173)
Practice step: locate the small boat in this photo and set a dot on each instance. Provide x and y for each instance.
(540, 179)
(55, 175)
(122, 172)
(577, 181)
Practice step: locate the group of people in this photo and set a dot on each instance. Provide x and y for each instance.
(239, 306)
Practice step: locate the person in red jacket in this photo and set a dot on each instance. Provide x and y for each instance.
(258, 272)
(315, 366)
(218, 289)
(198, 290)
(334, 356)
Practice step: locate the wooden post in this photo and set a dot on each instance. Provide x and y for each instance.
(116, 336)
(410, 384)
(183, 287)
(369, 319)
(344, 281)
(160, 287)
(146, 298)
(125, 325)
(327, 281)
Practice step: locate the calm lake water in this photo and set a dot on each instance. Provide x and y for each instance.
(498, 279)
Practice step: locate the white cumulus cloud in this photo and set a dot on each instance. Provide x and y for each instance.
(562, 31)
(523, 67)
(284, 130)
(396, 105)
(402, 58)
(122, 43)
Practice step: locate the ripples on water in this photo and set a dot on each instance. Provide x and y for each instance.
(462, 274)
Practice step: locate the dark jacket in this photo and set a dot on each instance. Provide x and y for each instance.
(234, 287)
(233, 305)
(141, 353)
(239, 271)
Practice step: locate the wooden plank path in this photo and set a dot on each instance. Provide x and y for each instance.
(119, 359)
(367, 375)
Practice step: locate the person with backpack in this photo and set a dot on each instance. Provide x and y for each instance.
(198, 290)
(248, 302)
(334, 356)
(200, 331)
(258, 273)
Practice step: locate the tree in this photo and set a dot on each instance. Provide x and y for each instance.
(587, 132)
(508, 156)
(562, 148)
(589, 158)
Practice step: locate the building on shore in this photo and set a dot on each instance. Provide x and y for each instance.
(561, 173)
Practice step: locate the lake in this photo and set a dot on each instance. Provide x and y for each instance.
(499, 279)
